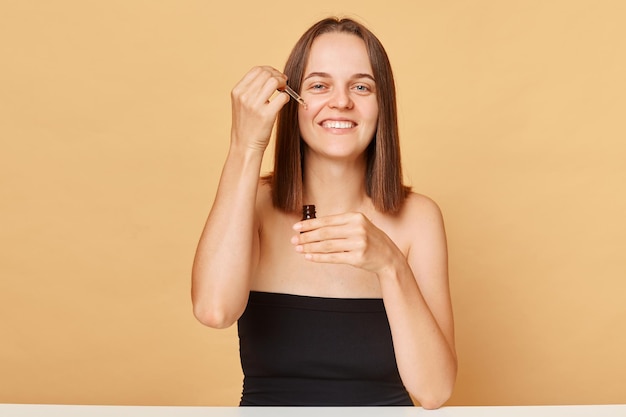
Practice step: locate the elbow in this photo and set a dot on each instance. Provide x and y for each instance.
(432, 403)
(434, 400)
(436, 394)
(214, 309)
(215, 318)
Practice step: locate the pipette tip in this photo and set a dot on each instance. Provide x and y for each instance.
(294, 95)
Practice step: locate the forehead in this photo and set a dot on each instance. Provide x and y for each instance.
(338, 53)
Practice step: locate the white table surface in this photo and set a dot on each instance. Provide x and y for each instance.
(31, 410)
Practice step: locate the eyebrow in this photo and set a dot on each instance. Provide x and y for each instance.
(327, 75)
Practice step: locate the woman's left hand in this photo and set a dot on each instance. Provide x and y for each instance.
(348, 238)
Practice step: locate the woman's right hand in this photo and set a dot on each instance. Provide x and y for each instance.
(254, 113)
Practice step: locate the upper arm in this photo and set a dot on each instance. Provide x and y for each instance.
(262, 209)
(256, 240)
(428, 259)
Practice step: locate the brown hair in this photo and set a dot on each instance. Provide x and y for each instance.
(383, 177)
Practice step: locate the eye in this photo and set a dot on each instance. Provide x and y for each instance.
(317, 87)
(363, 88)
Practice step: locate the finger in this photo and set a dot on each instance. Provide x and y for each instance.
(258, 85)
(329, 258)
(263, 72)
(270, 79)
(332, 227)
(327, 233)
(274, 72)
(275, 104)
(325, 246)
(248, 80)
(332, 220)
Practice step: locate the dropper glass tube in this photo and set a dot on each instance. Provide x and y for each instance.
(295, 95)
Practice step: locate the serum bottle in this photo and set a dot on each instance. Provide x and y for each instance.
(308, 212)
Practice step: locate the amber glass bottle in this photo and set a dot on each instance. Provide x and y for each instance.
(308, 212)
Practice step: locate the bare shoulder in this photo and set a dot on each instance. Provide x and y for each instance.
(424, 231)
(420, 210)
(420, 224)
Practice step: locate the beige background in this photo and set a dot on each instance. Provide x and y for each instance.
(114, 122)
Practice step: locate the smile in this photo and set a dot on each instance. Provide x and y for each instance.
(337, 124)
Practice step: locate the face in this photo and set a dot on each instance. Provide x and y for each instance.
(340, 92)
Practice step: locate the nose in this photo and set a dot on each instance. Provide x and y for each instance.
(340, 99)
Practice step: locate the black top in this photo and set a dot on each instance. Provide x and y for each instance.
(314, 351)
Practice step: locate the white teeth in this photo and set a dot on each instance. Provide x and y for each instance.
(336, 124)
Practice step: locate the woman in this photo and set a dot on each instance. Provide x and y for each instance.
(350, 308)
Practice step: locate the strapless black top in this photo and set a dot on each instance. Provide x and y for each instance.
(315, 351)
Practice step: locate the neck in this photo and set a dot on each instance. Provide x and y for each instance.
(335, 186)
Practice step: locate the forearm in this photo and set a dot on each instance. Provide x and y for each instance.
(425, 356)
(226, 250)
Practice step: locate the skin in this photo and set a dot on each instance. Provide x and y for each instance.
(351, 250)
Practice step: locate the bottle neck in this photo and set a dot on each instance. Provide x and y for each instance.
(308, 212)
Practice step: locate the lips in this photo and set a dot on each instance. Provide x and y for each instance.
(338, 124)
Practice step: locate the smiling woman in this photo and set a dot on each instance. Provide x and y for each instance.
(342, 110)
(383, 174)
(349, 308)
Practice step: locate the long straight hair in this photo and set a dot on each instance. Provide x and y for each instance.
(383, 176)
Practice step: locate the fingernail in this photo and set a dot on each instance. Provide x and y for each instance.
(297, 226)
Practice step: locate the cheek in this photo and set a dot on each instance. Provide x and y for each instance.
(372, 115)
(314, 103)
(371, 109)
(313, 107)
(305, 118)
